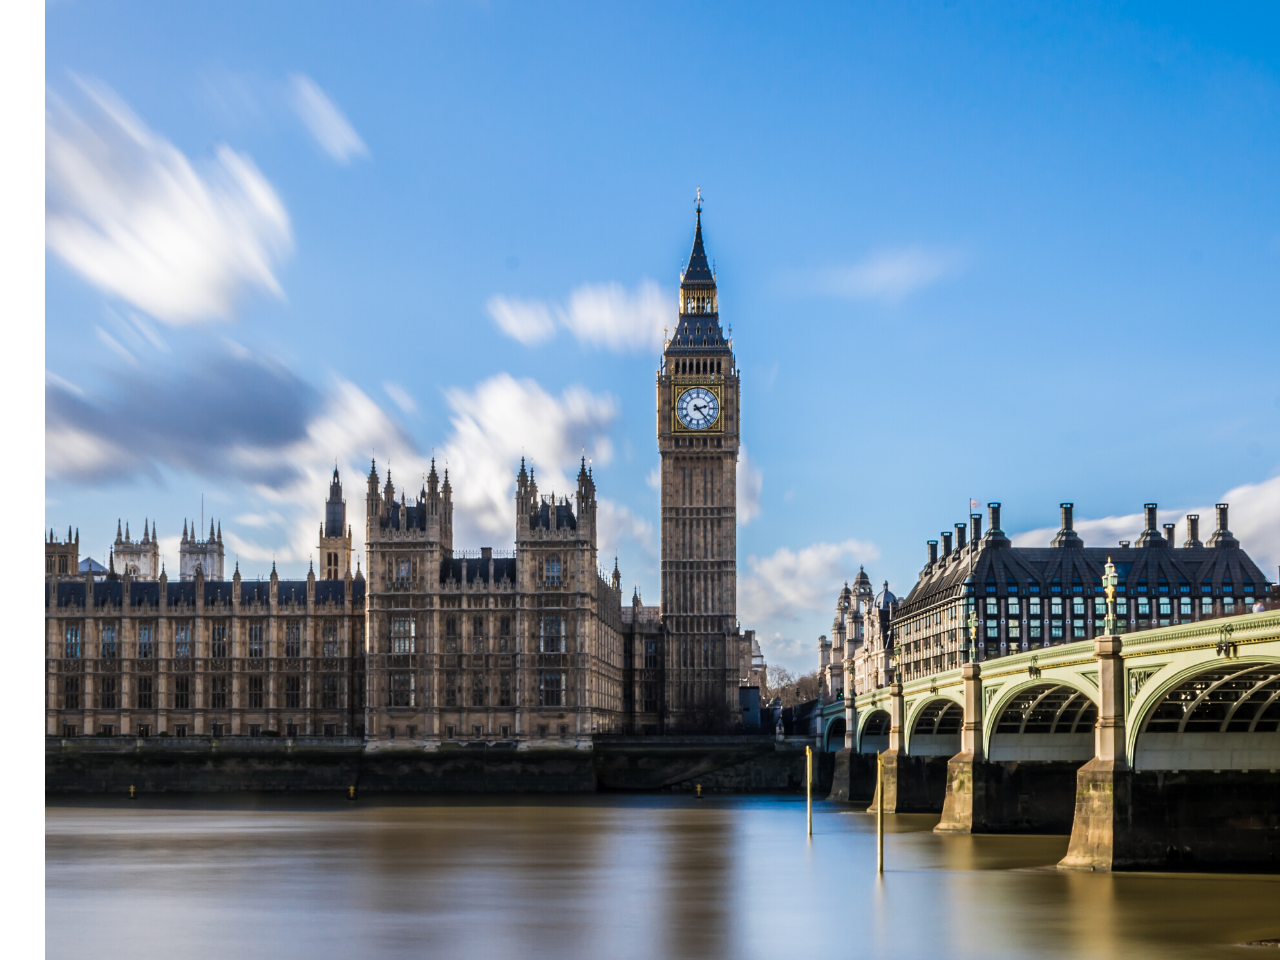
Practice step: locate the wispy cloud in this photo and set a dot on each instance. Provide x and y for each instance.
(750, 484)
(327, 124)
(130, 213)
(892, 274)
(789, 591)
(603, 315)
(503, 419)
(400, 396)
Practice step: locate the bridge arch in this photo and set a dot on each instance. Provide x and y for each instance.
(1041, 719)
(933, 727)
(873, 730)
(1220, 715)
(835, 729)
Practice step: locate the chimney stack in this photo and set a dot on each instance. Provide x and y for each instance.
(1067, 509)
(1193, 531)
(1169, 529)
(960, 527)
(993, 510)
(1150, 535)
(933, 551)
(975, 520)
(1222, 536)
(1067, 536)
(946, 544)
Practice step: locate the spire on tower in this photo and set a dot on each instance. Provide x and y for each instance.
(118, 528)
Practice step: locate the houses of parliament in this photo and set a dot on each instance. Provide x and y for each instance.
(424, 642)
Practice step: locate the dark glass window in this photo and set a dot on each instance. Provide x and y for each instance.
(255, 693)
(330, 693)
(293, 693)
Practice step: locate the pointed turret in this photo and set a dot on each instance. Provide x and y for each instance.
(118, 537)
(184, 530)
(698, 330)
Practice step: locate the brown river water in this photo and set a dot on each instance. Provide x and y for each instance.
(599, 877)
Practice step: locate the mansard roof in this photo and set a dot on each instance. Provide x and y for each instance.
(999, 565)
(473, 568)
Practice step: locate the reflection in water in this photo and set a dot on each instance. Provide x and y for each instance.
(597, 877)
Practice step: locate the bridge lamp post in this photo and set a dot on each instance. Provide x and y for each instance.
(1109, 581)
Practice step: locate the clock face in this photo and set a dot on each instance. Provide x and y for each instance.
(697, 408)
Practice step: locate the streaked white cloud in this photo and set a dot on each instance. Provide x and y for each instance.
(528, 321)
(114, 345)
(617, 523)
(1254, 518)
(327, 124)
(129, 212)
(790, 590)
(503, 419)
(890, 275)
(603, 315)
(400, 396)
(750, 484)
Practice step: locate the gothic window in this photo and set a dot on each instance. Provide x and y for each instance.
(477, 635)
(255, 638)
(402, 634)
(551, 689)
(255, 693)
(330, 693)
(62, 563)
(182, 640)
(504, 634)
(293, 693)
(143, 695)
(504, 689)
(217, 693)
(477, 689)
(451, 634)
(71, 641)
(293, 639)
(71, 693)
(107, 693)
(553, 570)
(552, 635)
(218, 639)
(182, 693)
(403, 569)
(330, 638)
(450, 689)
(109, 648)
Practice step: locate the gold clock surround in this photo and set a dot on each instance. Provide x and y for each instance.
(713, 384)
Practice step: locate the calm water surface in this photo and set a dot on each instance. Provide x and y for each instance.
(598, 877)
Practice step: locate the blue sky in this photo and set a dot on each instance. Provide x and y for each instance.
(1027, 253)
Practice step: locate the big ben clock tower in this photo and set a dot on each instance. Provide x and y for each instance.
(698, 434)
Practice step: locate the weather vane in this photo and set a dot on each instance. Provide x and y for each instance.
(699, 198)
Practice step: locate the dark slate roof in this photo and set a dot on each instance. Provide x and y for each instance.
(109, 593)
(145, 593)
(88, 564)
(331, 591)
(294, 591)
(357, 591)
(998, 565)
(255, 591)
(415, 517)
(564, 517)
(183, 591)
(70, 593)
(217, 591)
(472, 567)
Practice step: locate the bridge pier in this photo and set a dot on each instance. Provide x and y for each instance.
(911, 784)
(966, 785)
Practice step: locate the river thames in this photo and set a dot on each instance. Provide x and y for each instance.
(598, 877)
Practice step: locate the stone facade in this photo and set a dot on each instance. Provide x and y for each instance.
(490, 647)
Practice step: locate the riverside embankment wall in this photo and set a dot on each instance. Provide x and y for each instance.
(156, 765)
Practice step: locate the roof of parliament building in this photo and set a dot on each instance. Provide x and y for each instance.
(110, 592)
(1154, 564)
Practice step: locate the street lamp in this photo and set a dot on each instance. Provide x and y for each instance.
(1109, 581)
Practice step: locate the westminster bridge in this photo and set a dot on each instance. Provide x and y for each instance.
(1152, 749)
